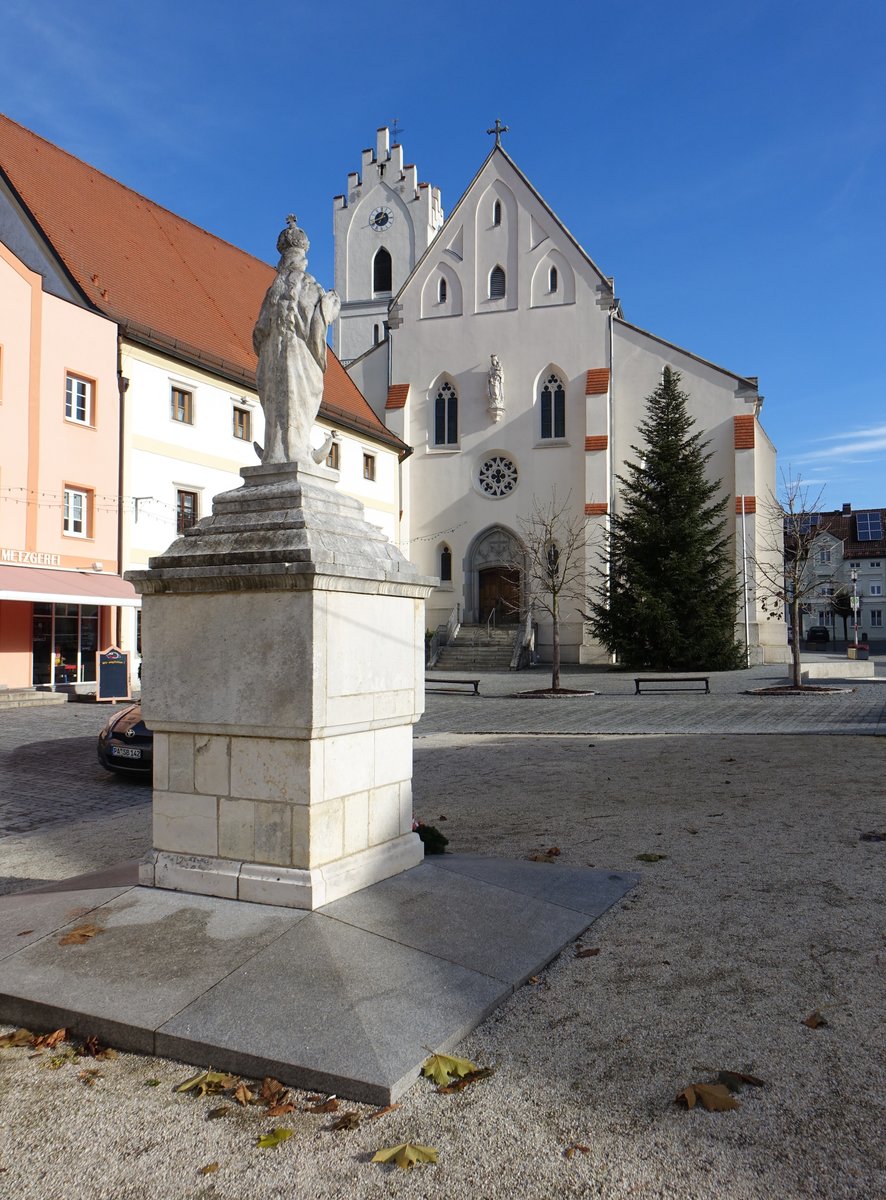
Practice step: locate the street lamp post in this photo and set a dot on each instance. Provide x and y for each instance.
(853, 575)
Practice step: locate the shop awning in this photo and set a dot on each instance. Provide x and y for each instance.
(66, 587)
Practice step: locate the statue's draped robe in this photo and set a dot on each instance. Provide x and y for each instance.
(290, 341)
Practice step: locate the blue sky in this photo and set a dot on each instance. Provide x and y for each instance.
(726, 163)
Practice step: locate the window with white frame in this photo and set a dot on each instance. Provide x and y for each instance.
(823, 557)
(876, 589)
(78, 399)
(854, 566)
(181, 405)
(77, 508)
(875, 566)
(875, 616)
(242, 424)
(446, 415)
(369, 466)
(186, 512)
(552, 408)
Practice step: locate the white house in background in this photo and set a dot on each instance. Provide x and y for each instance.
(503, 277)
(848, 543)
(183, 412)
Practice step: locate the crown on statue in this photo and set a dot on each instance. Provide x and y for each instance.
(292, 237)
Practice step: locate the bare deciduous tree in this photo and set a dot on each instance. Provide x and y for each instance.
(798, 577)
(553, 563)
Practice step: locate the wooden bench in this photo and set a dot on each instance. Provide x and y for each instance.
(664, 680)
(444, 680)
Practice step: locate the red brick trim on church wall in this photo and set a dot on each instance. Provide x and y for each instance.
(744, 433)
(597, 381)
(596, 510)
(397, 394)
(597, 443)
(750, 504)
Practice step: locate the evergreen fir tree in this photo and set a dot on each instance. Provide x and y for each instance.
(672, 594)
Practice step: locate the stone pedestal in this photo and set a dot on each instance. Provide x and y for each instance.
(283, 642)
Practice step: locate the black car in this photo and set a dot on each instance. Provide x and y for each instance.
(126, 743)
(818, 633)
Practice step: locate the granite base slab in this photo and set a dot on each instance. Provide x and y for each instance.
(345, 999)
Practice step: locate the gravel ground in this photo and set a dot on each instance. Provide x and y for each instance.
(765, 907)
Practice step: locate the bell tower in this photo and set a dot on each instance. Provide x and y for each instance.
(382, 226)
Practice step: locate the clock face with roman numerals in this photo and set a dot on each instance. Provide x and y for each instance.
(381, 219)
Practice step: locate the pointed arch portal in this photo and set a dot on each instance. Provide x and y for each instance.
(493, 583)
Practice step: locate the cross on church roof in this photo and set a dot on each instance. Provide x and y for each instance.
(498, 129)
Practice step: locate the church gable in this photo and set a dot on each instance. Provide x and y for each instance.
(503, 250)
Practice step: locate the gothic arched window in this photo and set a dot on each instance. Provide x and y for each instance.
(446, 416)
(496, 283)
(553, 280)
(446, 565)
(441, 291)
(552, 402)
(381, 271)
(496, 213)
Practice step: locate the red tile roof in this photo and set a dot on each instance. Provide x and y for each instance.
(166, 282)
(397, 395)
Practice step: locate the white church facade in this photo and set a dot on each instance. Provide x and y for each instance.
(493, 345)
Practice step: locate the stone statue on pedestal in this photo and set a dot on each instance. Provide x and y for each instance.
(495, 388)
(290, 341)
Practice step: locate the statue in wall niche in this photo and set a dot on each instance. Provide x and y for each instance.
(290, 341)
(495, 388)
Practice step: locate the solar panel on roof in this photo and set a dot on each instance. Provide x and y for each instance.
(868, 526)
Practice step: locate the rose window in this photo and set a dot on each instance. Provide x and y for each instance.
(497, 476)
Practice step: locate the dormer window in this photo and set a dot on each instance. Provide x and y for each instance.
(441, 291)
(497, 283)
(496, 213)
(553, 280)
(382, 271)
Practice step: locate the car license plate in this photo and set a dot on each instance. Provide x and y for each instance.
(125, 752)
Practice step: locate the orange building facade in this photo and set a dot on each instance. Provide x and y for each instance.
(59, 455)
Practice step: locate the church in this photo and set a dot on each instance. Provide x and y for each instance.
(490, 342)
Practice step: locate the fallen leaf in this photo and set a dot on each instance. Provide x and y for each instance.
(715, 1097)
(406, 1155)
(68, 1055)
(209, 1169)
(576, 1148)
(328, 1106)
(89, 1075)
(48, 1041)
(554, 851)
(92, 1048)
(348, 1120)
(242, 1094)
(736, 1080)
(152, 1083)
(215, 1114)
(650, 858)
(442, 1067)
(381, 1112)
(21, 1037)
(458, 1085)
(79, 935)
(591, 952)
(273, 1089)
(815, 1020)
(268, 1141)
(207, 1081)
(533, 979)
(281, 1108)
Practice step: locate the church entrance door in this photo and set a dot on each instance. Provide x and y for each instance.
(500, 593)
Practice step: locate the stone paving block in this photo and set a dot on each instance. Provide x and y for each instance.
(487, 928)
(27, 917)
(334, 1008)
(588, 891)
(157, 952)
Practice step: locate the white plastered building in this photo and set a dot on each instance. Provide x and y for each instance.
(504, 277)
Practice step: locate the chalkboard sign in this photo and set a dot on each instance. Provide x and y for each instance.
(113, 674)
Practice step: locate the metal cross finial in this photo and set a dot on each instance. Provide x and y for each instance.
(498, 129)
(395, 130)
